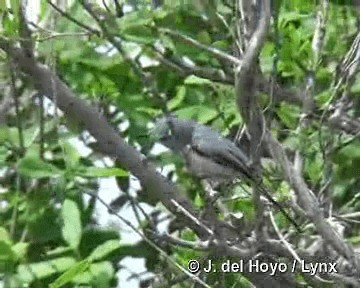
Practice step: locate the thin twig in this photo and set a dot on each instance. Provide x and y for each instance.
(282, 238)
(309, 202)
(196, 246)
(146, 79)
(72, 19)
(148, 241)
(214, 51)
(58, 35)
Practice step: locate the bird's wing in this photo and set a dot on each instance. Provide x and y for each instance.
(211, 144)
(204, 167)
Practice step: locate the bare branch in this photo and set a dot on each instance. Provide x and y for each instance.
(72, 19)
(214, 51)
(245, 91)
(256, 41)
(341, 121)
(184, 68)
(108, 139)
(309, 202)
(197, 246)
(146, 79)
(151, 243)
(244, 77)
(308, 97)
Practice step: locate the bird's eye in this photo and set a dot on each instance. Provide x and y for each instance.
(166, 135)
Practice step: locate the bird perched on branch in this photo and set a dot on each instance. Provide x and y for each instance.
(208, 155)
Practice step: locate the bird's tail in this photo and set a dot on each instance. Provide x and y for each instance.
(263, 190)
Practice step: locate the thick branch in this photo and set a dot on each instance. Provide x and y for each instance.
(108, 139)
(308, 201)
(244, 80)
(245, 89)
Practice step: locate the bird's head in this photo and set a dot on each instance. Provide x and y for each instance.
(172, 132)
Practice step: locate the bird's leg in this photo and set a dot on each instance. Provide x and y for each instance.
(208, 187)
(211, 196)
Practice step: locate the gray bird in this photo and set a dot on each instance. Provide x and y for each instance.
(207, 154)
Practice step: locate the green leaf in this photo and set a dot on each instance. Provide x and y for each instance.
(288, 115)
(71, 155)
(314, 168)
(178, 99)
(99, 275)
(355, 240)
(195, 80)
(6, 253)
(9, 23)
(323, 98)
(104, 249)
(103, 172)
(71, 230)
(351, 151)
(140, 34)
(200, 112)
(4, 235)
(10, 134)
(221, 44)
(71, 273)
(58, 251)
(15, 4)
(355, 88)
(2, 5)
(20, 249)
(32, 166)
(136, 19)
(27, 273)
(267, 57)
(30, 135)
(3, 155)
(3, 134)
(204, 37)
(285, 18)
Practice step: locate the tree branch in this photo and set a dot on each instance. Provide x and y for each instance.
(309, 202)
(245, 91)
(72, 19)
(108, 139)
(212, 50)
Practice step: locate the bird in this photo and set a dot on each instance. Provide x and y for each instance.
(209, 155)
